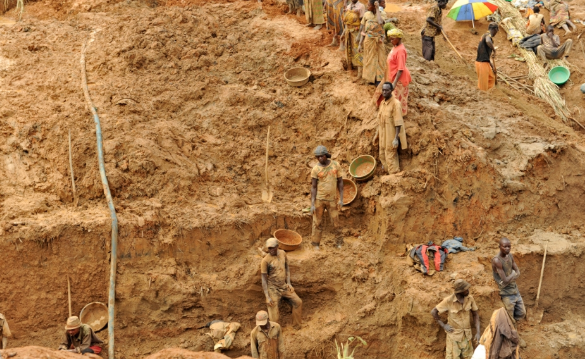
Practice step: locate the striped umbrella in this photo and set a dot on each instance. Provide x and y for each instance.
(471, 10)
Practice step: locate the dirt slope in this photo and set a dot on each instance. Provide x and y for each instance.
(185, 95)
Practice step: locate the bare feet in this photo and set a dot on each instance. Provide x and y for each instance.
(310, 25)
(298, 12)
(318, 27)
(334, 42)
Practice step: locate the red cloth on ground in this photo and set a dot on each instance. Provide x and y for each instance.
(396, 62)
(96, 349)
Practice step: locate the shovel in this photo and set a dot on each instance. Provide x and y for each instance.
(267, 190)
(536, 315)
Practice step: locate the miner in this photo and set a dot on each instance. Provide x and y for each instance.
(80, 338)
(276, 283)
(325, 182)
(458, 327)
(266, 338)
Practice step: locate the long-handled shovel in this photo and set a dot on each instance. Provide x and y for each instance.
(450, 44)
(541, 312)
(267, 190)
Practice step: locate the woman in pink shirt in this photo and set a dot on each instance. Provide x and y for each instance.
(398, 74)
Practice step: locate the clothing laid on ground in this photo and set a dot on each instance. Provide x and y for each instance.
(458, 342)
(4, 329)
(390, 116)
(551, 48)
(397, 62)
(223, 334)
(534, 24)
(374, 50)
(428, 258)
(500, 338)
(320, 207)
(352, 32)
(85, 339)
(267, 345)
(327, 178)
(559, 13)
(456, 245)
(334, 10)
(275, 269)
(314, 12)
(530, 42)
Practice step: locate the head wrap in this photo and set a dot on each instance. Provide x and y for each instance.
(271, 243)
(395, 33)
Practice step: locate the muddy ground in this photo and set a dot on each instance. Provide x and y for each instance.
(185, 91)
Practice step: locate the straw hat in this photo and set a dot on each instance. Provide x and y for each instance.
(73, 323)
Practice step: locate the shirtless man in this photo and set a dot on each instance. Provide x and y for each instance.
(505, 273)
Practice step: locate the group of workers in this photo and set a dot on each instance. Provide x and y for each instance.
(500, 339)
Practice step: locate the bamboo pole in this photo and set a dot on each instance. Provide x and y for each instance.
(72, 175)
(69, 295)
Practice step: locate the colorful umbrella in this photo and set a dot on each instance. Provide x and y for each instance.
(471, 10)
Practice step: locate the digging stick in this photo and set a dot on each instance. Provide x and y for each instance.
(541, 275)
(69, 295)
(450, 44)
(72, 176)
(495, 71)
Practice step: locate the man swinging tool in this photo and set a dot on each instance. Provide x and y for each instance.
(325, 180)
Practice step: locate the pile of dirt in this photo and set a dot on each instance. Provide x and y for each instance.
(186, 354)
(185, 96)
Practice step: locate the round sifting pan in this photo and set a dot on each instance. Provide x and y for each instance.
(297, 76)
(95, 315)
(349, 191)
(288, 240)
(559, 75)
(362, 168)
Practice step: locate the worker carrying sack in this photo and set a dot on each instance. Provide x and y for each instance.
(428, 258)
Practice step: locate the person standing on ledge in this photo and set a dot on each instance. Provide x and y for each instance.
(389, 133)
(486, 73)
(314, 13)
(432, 28)
(325, 181)
(276, 283)
(505, 272)
(459, 335)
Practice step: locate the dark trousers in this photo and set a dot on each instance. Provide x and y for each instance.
(428, 48)
(87, 350)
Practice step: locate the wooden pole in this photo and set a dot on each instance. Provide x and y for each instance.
(72, 176)
(541, 275)
(450, 44)
(69, 295)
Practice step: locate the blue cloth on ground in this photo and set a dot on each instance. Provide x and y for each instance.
(456, 245)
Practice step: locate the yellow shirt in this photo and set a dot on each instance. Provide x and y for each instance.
(267, 345)
(275, 269)
(327, 180)
(390, 116)
(458, 316)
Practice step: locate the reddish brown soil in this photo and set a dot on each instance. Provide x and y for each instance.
(185, 95)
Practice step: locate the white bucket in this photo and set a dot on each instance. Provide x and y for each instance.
(479, 353)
